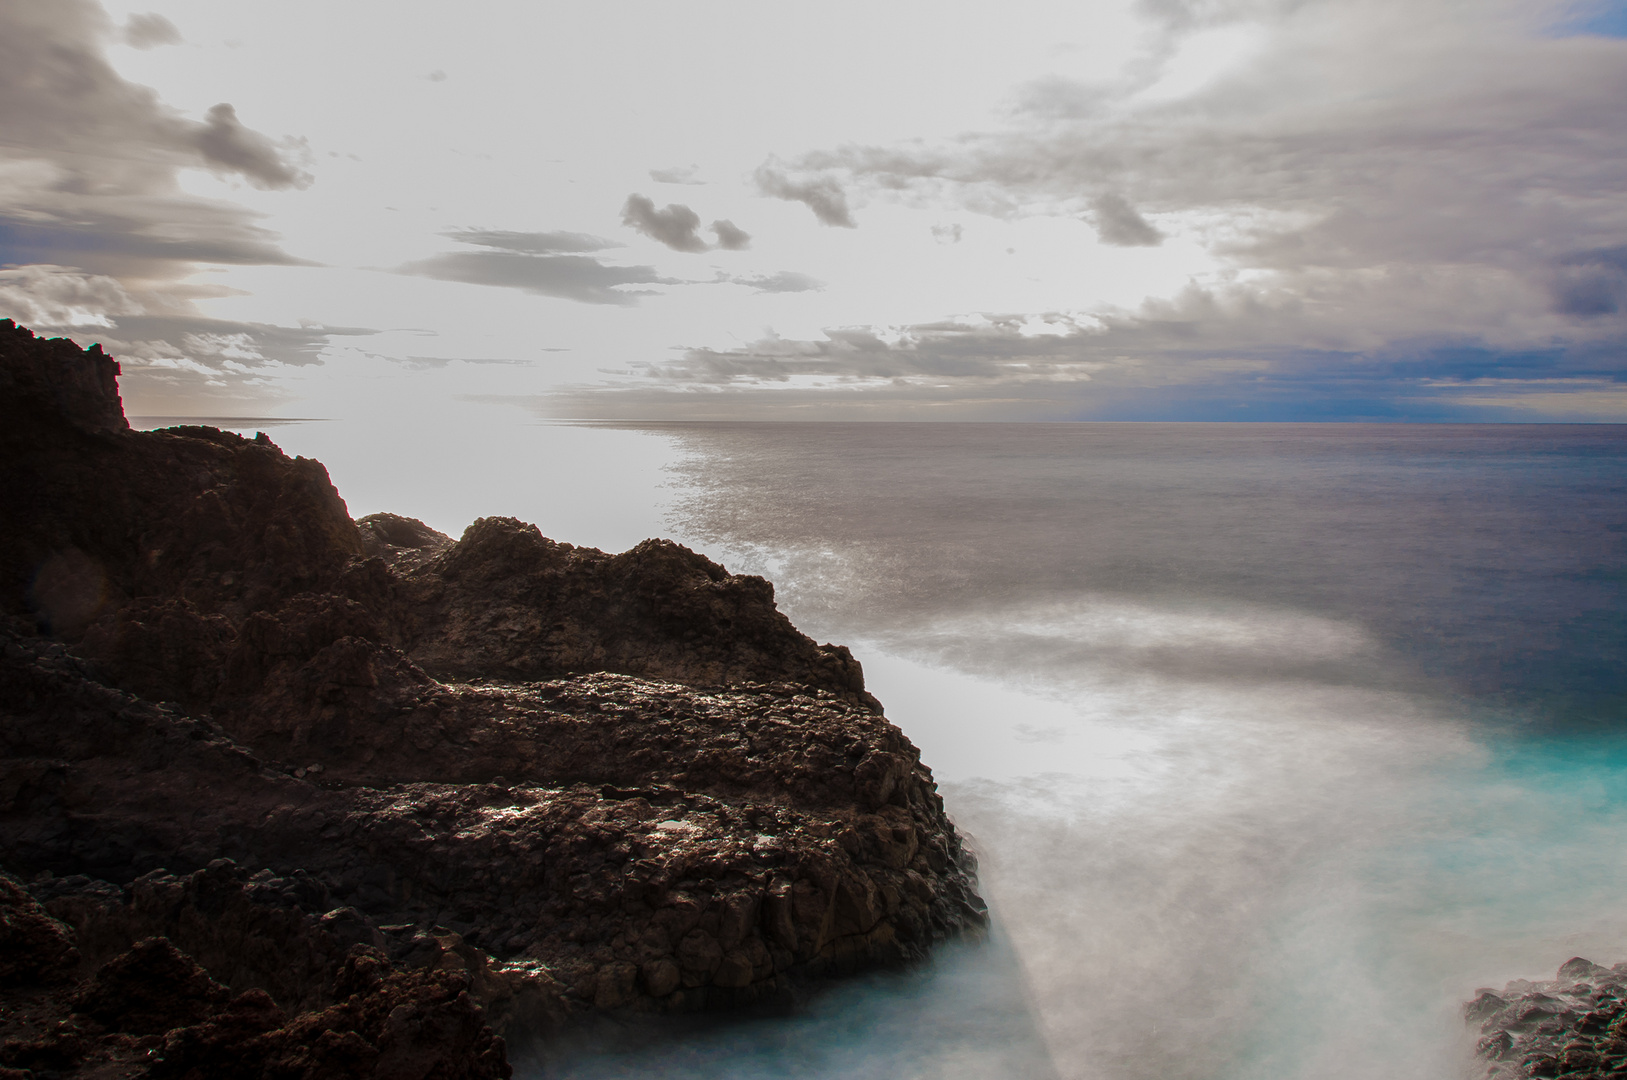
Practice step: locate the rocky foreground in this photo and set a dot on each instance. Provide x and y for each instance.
(356, 799)
(1573, 1025)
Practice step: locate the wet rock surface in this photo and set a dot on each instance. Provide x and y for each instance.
(560, 781)
(1573, 1025)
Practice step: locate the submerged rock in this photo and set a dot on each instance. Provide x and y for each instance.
(240, 723)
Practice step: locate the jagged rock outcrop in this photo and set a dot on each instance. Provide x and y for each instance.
(1573, 1025)
(236, 720)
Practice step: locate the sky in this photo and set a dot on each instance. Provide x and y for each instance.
(1031, 210)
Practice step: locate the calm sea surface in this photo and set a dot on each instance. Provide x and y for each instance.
(1275, 741)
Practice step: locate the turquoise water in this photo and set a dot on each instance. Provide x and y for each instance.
(1276, 741)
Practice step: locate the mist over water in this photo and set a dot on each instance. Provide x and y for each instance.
(1275, 741)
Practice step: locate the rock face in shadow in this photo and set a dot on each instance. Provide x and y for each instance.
(239, 722)
(153, 1011)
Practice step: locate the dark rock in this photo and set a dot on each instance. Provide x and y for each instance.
(385, 1024)
(34, 948)
(149, 990)
(1574, 1025)
(525, 780)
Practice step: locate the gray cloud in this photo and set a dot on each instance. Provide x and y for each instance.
(230, 147)
(173, 364)
(44, 297)
(676, 226)
(821, 194)
(1592, 284)
(445, 361)
(96, 235)
(150, 30)
(222, 345)
(1217, 353)
(567, 277)
(1460, 195)
(532, 243)
(64, 104)
(683, 175)
(782, 282)
(730, 237)
(947, 234)
(1117, 223)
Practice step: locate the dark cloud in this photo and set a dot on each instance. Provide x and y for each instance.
(150, 30)
(677, 226)
(568, 277)
(782, 282)
(1117, 223)
(821, 194)
(730, 237)
(230, 147)
(127, 245)
(532, 243)
(1590, 284)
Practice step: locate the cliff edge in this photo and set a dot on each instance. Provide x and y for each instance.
(321, 759)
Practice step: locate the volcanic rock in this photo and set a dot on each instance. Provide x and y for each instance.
(1573, 1025)
(497, 779)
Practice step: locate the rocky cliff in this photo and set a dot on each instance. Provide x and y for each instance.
(293, 746)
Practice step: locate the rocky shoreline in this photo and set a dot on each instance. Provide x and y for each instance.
(1573, 1025)
(298, 769)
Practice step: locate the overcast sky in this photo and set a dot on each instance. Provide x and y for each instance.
(1118, 209)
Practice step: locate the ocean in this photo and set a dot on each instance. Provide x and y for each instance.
(1275, 741)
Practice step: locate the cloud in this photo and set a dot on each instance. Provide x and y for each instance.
(676, 226)
(568, 277)
(150, 30)
(1375, 187)
(683, 175)
(730, 237)
(230, 147)
(1216, 353)
(44, 297)
(1117, 223)
(782, 282)
(222, 346)
(532, 243)
(1592, 284)
(67, 108)
(93, 221)
(532, 263)
(947, 234)
(821, 194)
(97, 235)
